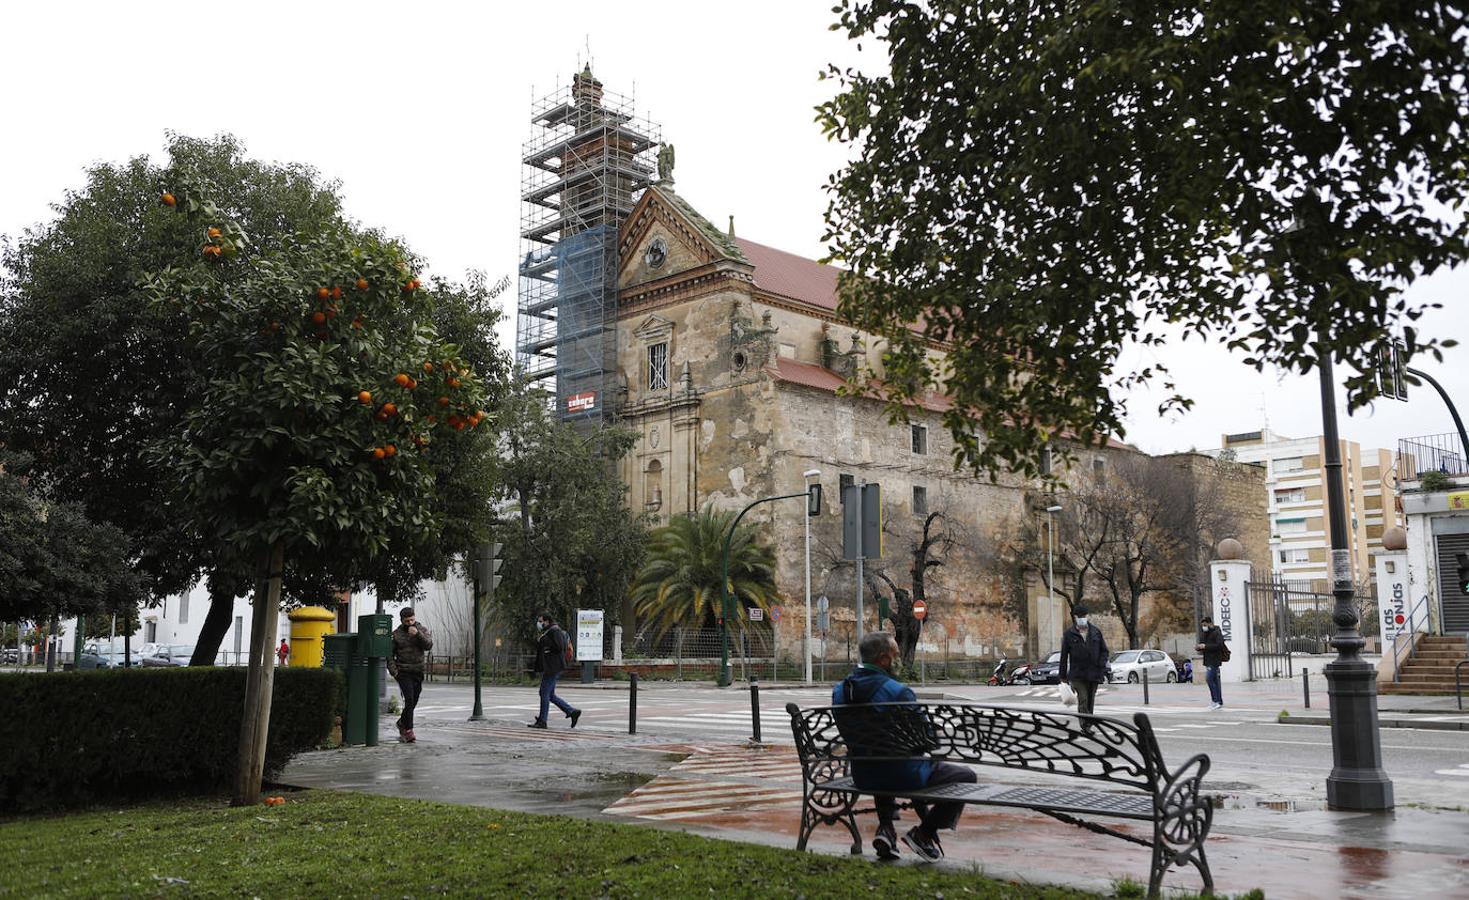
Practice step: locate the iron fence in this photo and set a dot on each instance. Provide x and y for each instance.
(1285, 620)
(1431, 453)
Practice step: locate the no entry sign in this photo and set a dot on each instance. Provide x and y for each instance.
(920, 610)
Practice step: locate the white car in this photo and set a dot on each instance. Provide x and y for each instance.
(1129, 666)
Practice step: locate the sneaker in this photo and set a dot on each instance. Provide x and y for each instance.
(1214, 706)
(920, 844)
(410, 736)
(401, 729)
(575, 714)
(536, 724)
(885, 842)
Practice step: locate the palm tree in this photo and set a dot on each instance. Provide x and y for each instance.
(678, 583)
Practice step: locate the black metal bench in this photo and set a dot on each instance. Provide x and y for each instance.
(1126, 755)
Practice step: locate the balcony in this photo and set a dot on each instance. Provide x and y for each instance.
(1431, 453)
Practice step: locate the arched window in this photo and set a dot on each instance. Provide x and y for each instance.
(653, 485)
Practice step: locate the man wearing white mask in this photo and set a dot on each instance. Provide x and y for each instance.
(552, 651)
(1083, 659)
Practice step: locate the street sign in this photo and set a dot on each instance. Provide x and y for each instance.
(757, 614)
(822, 603)
(775, 613)
(589, 635)
(920, 610)
(862, 521)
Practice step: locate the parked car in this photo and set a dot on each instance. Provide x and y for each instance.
(170, 655)
(1129, 666)
(97, 659)
(1048, 672)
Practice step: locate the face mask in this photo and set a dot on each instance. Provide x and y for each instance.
(1081, 622)
(540, 626)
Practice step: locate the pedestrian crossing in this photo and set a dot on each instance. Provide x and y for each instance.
(717, 782)
(521, 733)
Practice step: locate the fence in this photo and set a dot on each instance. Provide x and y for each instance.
(1431, 453)
(1285, 620)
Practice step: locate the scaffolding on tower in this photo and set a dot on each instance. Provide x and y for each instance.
(586, 165)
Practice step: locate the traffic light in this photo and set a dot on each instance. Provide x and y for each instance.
(489, 567)
(1463, 560)
(813, 500)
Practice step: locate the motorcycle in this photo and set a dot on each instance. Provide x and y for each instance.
(998, 675)
(1021, 675)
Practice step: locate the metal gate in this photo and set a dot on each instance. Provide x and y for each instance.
(1455, 603)
(1286, 620)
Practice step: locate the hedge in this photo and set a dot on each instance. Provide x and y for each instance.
(78, 737)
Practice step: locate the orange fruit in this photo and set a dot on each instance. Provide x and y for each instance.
(412, 384)
(459, 425)
(428, 367)
(379, 453)
(362, 284)
(390, 409)
(168, 200)
(453, 382)
(336, 293)
(212, 232)
(322, 293)
(401, 379)
(390, 450)
(380, 416)
(365, 397)
(318, 317)
(443, 401)
(356, 323)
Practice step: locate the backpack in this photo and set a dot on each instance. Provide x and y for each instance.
(570, 651)
(1224, 653)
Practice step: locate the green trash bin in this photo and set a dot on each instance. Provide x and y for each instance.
(337, 650)
(354, 730)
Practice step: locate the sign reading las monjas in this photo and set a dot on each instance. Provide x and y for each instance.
(589, 635)
(1393, 595)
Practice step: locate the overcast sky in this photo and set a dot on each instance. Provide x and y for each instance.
(421, 110)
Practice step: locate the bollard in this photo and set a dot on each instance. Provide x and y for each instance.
(632, 705)
(755, 707)
(1145, 687)
(1306, 686)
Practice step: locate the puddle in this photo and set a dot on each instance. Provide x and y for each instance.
(598, 788)
(627, 780)
(1234, 801)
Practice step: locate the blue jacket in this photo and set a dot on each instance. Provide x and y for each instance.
(869, 684)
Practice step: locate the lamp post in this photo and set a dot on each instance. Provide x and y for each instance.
(1051, 554)
(726, 608)
(806, 642)
(1357, 780)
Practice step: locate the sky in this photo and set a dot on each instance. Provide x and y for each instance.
(420, 111)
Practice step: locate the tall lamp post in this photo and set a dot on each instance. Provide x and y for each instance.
(1051, 554)
(809, 474)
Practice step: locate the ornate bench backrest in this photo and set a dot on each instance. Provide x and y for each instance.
(1052, 742)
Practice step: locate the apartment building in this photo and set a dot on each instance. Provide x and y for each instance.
(1295, 485)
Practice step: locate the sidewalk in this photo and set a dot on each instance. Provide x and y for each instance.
(1287, 848)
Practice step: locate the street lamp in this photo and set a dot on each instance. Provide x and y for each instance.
(1357, 780)
(808, 475)
(1051, 554)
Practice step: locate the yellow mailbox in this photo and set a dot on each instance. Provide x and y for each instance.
(309, 625)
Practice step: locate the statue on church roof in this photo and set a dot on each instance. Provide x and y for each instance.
(665, 163)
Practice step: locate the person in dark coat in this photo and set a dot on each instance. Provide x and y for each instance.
(1083, 659)
(551, 645)
(411, 641)
(1211, 643)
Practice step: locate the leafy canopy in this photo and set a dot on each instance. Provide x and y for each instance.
(325, 396)
(1036, 186)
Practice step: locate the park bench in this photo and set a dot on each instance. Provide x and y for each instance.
(1101, 749)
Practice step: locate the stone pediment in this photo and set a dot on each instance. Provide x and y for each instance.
(664, 237)
(653, 327)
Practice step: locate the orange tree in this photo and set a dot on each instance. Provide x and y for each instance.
(325, 394)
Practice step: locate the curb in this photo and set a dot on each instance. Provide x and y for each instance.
(1382, 723)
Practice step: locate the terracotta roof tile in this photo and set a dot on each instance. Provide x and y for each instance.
(792, 276)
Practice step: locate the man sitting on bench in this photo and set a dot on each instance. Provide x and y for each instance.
(872, 682)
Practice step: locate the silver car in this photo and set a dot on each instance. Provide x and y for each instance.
(1129, 666)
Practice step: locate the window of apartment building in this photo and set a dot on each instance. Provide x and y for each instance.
(1290, 526)
(184, 609)
(920, 438)
(920, 501)
(1295, 556)
(1290, 495)
(658, 366)
(1289, 464)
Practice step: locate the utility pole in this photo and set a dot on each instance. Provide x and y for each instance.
(813, 508)
(486, 579)
(726, 607)
(861, 556)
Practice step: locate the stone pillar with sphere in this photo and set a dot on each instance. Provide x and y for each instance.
(1229, 576)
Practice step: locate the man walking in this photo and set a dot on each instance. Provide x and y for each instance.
(551, 644)
(1211, 642)
(873, 682)
(1083, 659)
(410, 642)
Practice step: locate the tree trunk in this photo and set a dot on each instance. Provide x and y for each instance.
(216, 623)
(51, 646)
(259, 682)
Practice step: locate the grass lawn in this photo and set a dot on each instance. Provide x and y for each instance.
(334, 844)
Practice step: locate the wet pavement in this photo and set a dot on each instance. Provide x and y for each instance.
(695, 770)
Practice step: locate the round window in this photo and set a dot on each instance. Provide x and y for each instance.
(740, 360)
(657, 253)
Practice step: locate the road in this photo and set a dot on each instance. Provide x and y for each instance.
(1251, 753)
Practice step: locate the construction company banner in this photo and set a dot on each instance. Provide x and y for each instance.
(583, 402)
(589, 635)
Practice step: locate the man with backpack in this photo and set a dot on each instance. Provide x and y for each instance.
(873, 682)
(1216, 653)
(553, 652)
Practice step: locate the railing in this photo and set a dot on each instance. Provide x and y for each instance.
(1401, 647)
(1458, 687)
(1431, 453)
